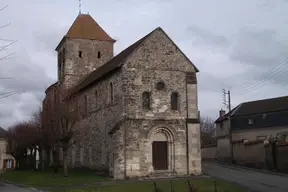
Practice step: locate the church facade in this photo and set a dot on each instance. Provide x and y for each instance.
(138, 109)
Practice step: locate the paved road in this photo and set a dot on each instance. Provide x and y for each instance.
(253, 180)
(11, 188)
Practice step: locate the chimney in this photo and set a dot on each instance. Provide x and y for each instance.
(222, 113)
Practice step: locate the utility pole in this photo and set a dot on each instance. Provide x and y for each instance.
(228, 105)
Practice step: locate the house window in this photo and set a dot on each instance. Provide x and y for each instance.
(146, 97)
(111, 93)
(99, 55)
(250, 121)
(221, 126)
(80, 54)
(174, 101)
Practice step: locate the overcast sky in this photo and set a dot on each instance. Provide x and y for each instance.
(237, 45)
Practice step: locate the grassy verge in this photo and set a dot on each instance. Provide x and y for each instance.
(204, 185)
(48, 179)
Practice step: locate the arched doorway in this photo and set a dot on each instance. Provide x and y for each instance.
(162, 150)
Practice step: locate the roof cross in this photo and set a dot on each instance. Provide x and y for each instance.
(79, 6)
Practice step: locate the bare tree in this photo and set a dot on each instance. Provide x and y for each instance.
(4, 45)
(21, 137)
(207, 125)
(61, 124)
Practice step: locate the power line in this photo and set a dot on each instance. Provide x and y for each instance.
(260, 84)
(264, 75)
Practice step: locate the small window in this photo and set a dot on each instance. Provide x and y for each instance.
(174, 101)
(80, 54)
(160, 85)
(64, 55)
(96, 98)
(85, 105)
(99, 55)
(111, 93)
(264, 116)
(250, 121)
(146, 97)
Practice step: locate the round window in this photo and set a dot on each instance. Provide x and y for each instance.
(160, 86)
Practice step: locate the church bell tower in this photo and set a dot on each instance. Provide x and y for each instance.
(84, 48)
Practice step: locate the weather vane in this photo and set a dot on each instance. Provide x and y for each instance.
(79, 6)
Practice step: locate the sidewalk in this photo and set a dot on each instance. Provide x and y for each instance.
(238, 167)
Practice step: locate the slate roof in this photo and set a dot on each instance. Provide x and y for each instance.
(258, 107)
(117, 62)
(263, 106)
(220, 119)
(3, 132)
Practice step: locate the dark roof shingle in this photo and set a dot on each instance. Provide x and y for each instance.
(263, 106)
(3, 133)
(257, 107)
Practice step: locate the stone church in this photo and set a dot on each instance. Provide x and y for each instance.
(139, 109)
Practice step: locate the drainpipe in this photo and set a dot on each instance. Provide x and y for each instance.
(187, 116)
(125, 137)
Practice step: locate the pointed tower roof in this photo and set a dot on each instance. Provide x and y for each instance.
(85, 27)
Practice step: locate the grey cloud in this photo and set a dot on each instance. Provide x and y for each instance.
(259, 48)
(207, 37)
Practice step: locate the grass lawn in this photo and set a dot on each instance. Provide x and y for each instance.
(47, 179)
(204, 185)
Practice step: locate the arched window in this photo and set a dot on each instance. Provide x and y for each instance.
(111, 93)
(96, 98)
(99, 54)
(85, 105)
(146, 97)
(174, 101)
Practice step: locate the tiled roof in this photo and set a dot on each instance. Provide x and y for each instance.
(85, 27)
(111, 65)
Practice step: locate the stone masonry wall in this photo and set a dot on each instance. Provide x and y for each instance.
(76, 67)
(158, 59)
(93, 128)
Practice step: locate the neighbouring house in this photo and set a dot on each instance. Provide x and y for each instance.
(252, 123)
(138, 110)
(7, 161)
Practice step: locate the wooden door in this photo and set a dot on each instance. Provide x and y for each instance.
(160, 155)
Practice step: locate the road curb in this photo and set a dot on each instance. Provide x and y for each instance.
(21, 186)
(251, 169)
